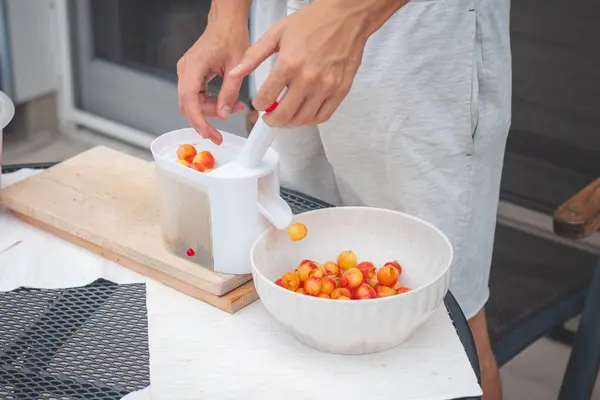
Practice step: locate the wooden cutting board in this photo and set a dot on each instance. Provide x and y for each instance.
(105, 201)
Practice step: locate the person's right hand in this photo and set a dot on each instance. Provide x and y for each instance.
(219, 49)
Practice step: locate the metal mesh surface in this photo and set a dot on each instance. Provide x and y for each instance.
(300, 203)
(88, 342)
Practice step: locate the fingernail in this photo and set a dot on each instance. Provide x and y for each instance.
(225, 111)
(216, 140)
(236, 69)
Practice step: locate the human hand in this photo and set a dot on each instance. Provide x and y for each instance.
(320, 50)
(219, 49)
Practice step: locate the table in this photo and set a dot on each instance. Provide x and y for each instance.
(67, 323)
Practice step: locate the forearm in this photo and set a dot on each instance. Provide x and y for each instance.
(232, 10)
(371, 14)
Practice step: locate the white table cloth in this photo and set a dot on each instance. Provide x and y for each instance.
(200, 352)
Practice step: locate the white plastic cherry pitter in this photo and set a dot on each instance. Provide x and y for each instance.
(213, 218)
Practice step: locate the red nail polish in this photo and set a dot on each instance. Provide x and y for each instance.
(272, 107)
(190, 252)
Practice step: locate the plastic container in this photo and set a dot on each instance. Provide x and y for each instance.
(213, 218)
(7, 112)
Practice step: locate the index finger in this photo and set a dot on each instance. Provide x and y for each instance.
(256, 54)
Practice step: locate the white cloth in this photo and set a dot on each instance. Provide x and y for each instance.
(422, 131)
(199, 352)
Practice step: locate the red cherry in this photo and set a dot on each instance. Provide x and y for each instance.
(190, 252)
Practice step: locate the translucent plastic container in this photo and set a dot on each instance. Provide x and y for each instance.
(185, 218)
(213, 218)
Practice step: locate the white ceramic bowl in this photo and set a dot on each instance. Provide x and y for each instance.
(376, 235)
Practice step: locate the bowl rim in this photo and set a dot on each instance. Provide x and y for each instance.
(412, 292)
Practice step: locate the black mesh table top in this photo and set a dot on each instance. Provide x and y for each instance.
(87, 342)
(91, 342)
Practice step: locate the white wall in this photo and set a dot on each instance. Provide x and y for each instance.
(33, 48)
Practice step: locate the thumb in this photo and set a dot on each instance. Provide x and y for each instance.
(256, 54)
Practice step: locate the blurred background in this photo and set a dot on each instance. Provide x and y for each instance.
(88, 72)
(104, 66)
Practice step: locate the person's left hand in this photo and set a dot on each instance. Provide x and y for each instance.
(320, 50)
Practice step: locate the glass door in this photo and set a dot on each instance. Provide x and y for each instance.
(126, 53)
